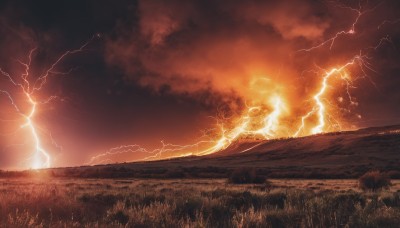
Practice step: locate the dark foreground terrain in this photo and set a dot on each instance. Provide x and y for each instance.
(194, 203)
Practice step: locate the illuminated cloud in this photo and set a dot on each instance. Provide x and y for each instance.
(189, 47)
(305, 52)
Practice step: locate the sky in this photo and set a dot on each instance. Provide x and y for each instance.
(154, 73)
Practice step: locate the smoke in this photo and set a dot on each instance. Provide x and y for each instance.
(217, 47)
(248, 51)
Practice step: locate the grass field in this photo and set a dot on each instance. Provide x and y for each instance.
(194, 203)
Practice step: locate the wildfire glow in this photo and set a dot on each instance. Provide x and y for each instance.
(263, 121)
(273, 112)
(271, 126)
(320, 107)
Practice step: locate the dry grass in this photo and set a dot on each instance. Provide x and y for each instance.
(194, 203)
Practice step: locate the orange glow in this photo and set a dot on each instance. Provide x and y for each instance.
(40, 157)
(271, 126)
(320, 107)
(268, 117)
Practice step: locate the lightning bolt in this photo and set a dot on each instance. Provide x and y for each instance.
(317, 97)
(350, 31)
(391, 22)
(29, 86)
(319, 109)
(264, 121)
(272, 120)
(227, 136)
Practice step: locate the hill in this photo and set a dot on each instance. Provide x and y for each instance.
(332, 155)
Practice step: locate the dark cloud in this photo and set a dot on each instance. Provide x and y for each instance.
(224, 47)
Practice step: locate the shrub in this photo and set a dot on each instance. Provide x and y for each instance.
(374, 181)
(246, 176)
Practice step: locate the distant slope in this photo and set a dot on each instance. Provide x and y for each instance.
(378, 146)
(331, 155)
